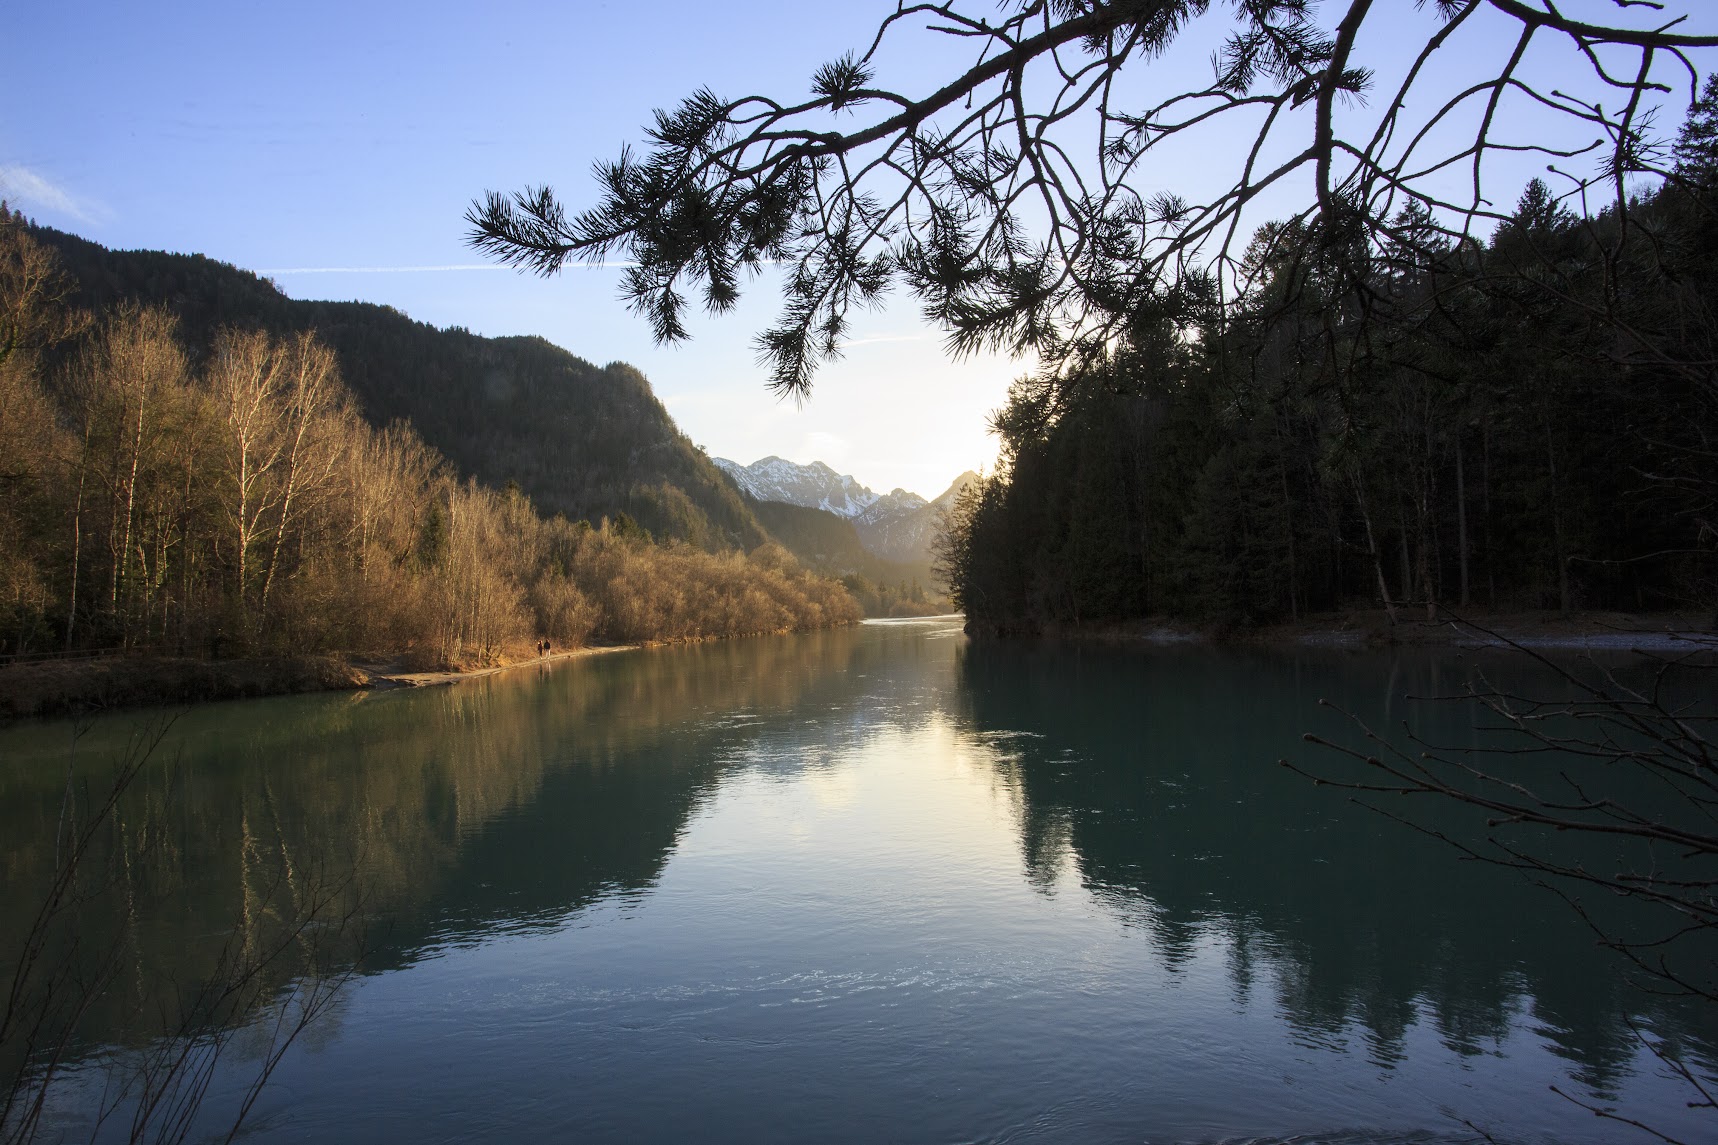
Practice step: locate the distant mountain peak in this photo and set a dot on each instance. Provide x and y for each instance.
(897, 525)
(946, 499)
(814, 486)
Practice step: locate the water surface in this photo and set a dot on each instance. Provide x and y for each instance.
(877, 884)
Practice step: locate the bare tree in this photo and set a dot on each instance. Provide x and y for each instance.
(35, 310)
(127, 383)
(277, 402)
(313, 393)
(245, 379)
(33, 317)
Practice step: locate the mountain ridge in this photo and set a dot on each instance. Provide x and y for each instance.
(582, 440)
(897, 526)
(812, 486)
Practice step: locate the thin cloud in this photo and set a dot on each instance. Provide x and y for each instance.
(25, 187)
(461, 266)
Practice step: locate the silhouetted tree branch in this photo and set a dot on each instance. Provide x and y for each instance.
(276, 971)
(1012, 200)
(1604, 793)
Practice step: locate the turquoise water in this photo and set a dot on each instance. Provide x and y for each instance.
(871, 885)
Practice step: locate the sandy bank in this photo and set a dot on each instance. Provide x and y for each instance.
(381, 675)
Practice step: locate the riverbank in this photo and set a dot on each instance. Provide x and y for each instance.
(1581, 631)
(76, 686)
(394, 675)
(1366, 629)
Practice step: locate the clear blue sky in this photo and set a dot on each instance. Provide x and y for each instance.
(317, 135)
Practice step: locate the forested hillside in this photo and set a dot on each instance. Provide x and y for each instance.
(221, 493)
(1530, 422)
(579, 440)
(830, 544)
(836, 524)
(903, 526)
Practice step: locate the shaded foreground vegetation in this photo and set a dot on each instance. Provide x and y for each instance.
(1526, 423)
(233, 501)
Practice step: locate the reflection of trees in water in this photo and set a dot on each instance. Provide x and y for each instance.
(507, 801)
(1148, 779)
(1154, 776)
(73, 951)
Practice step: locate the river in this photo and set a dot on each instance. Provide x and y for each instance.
(879, 884)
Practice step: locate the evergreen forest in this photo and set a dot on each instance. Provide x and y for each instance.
(1528, 422)
(829, 544)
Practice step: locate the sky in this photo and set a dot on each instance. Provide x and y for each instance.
(336, 146)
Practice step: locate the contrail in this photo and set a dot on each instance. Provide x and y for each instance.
(888, 338)
(380, 269)
(416, 269)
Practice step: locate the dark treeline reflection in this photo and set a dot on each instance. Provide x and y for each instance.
(1145, 779)
(1155, 777)
(457, 812)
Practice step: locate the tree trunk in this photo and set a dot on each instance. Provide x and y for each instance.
(1485, 489)
(1557, 525)
(123, 556)
(281, 525)
(1372, 548)
(1461, 519)
(314, 366)
(1406, 560)
(1288, 524)
(1423, 511)
(77, 536)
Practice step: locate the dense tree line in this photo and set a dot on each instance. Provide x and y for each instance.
(1529, 422)
(830, 545)
(235, 501)
(899, 599)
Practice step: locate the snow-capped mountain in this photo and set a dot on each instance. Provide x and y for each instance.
(897, 526)
(815, 486)
(901, 525)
